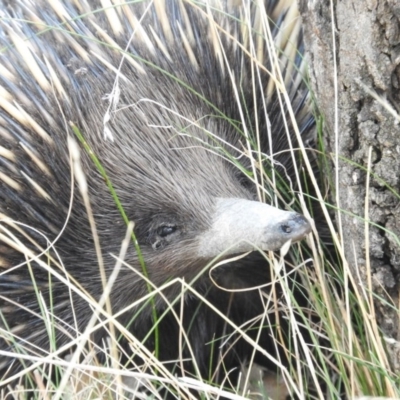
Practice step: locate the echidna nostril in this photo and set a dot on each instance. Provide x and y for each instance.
(297, 223)
(286, 228)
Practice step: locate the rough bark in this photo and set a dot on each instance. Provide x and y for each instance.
(365, 41)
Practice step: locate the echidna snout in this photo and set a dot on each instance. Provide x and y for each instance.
(241, 225)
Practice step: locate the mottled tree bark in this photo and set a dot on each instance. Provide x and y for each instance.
(354, 47)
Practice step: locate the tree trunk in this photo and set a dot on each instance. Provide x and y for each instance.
(362, 131)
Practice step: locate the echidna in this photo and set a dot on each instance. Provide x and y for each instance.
(180, 103)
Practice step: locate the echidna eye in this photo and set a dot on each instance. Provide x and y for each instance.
(166, 230)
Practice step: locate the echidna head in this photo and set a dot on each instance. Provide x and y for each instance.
(187, 200)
